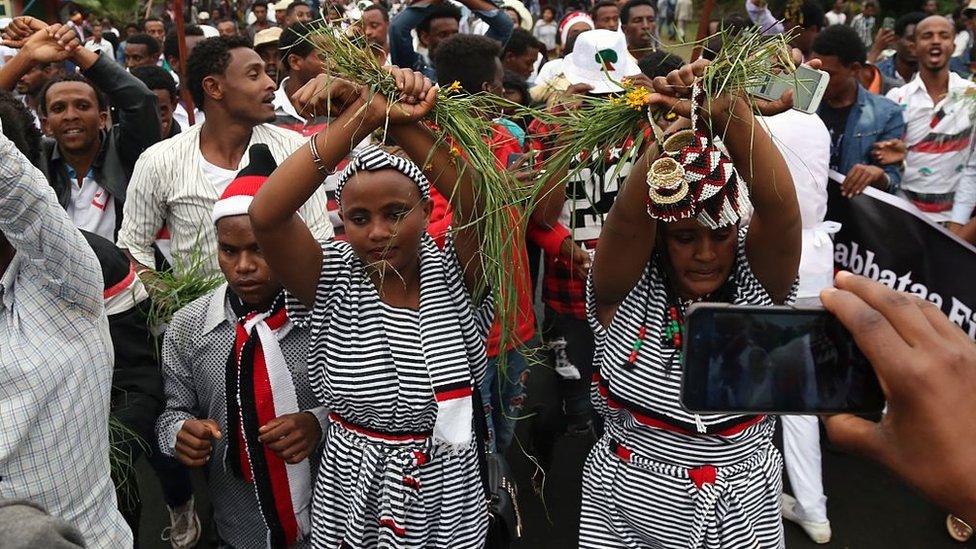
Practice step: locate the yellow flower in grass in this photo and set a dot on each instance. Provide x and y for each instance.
(637, 97)
(455, 87)
(455, 151)
(616, 100)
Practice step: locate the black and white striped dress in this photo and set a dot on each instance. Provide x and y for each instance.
(382, 482)
(661, 476)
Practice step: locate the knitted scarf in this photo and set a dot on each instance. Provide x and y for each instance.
(260, 388)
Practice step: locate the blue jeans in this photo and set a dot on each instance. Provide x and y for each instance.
(504, 396)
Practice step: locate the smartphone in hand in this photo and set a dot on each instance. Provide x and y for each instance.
(773, 360)
(808, 87)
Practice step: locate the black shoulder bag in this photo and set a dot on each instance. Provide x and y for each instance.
(505, 522)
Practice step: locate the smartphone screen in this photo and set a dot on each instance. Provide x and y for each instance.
(888, 23)
(808, 87)
(776, 360)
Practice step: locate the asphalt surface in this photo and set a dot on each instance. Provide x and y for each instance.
(868, 508)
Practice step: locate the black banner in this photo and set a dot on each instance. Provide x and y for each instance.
(886, 238)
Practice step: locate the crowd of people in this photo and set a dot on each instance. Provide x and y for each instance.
(347, 380)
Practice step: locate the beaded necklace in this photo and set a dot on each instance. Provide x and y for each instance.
(673, 330)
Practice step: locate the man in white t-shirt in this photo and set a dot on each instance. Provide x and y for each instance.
(98, 44)
(177, 181)
(836, 15)
(804, 142)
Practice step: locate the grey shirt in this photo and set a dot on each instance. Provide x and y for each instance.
(195, 350)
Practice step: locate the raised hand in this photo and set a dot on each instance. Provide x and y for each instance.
(20, 29)
(328, 95)
(51, 44)
(193, 446)
(673, 93)
(292, 437)
(417, 96)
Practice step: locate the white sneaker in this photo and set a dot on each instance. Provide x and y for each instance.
(184, 529)
(819, 532)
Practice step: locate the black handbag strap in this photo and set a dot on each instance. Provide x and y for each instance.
(481, 437)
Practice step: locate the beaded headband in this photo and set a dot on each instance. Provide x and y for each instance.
(373, 158)
(694, 178)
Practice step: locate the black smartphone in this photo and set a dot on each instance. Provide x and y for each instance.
(773, 360)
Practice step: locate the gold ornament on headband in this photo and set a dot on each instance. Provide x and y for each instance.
(666, 181)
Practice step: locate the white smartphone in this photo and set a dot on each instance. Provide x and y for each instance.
(808, 87)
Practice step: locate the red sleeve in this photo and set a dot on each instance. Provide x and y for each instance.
(440, 218)
(503, 144)
(549, 239)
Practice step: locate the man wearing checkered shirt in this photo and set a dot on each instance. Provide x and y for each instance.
(55, 360)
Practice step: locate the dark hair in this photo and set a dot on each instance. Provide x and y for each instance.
(293, 40)
(228, 20)
(439, 11)
(631, 4)
(171, 45)
(522, 41)
(841, 42)
(70, 77)
(550, 8)
(731, 25)
(659, 63)
(262, 3)
(211, 56)
(907, 20)
(131, 26)
(811, 15)
(469, 59)
(380, 8)
(872, 3)
(156, 78)
(18, 126)
(152, 46)
(294, 5)
(515, 81)
(602, 4)
(151, 19)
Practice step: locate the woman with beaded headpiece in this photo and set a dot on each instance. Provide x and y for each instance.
(662, 476)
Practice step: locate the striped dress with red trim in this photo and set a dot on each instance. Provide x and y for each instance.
(662, 476)
(382, 482)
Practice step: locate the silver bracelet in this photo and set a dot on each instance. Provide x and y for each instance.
(319, 165)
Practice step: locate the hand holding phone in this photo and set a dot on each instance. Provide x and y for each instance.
(808, 85)
(927, 367)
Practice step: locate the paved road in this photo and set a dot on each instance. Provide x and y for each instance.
(867, 507)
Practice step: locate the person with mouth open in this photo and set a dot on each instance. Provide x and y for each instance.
(940, 171)
(177, 181)
(662, 476)
(397, 326)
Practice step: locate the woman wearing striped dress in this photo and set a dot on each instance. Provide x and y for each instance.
(395, 341)
(661, 476)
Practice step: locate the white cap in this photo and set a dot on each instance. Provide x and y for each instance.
(203, 16)
(209, 31)
(524, 15)
(600, 58)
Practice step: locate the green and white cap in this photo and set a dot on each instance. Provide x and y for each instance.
(600, 59)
